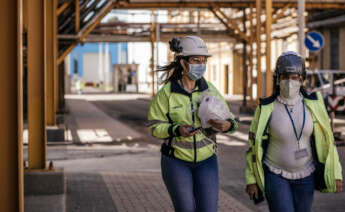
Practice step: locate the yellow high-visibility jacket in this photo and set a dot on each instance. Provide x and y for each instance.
(328, 167)
(172, 107)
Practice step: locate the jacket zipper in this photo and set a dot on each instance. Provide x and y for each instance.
(193, 120)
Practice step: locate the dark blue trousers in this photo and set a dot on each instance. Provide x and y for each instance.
(285, 195)
(192, 187)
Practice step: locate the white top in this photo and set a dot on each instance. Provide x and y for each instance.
(280, 156)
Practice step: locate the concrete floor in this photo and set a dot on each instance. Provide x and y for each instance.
(84, 164)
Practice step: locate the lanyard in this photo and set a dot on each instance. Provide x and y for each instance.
(293, 124)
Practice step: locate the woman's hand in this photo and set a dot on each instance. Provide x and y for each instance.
(252, 190)
(185, 130)
(221, 125)
(339, 185)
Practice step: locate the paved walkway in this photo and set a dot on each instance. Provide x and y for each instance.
(121, 191)
(145, 191)
(88, 124)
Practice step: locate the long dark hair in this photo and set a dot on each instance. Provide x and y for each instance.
(173, 71)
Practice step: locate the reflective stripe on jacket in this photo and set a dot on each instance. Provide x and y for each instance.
(173, 106)
(328, 167)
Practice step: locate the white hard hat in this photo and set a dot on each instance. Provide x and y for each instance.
(193, 45)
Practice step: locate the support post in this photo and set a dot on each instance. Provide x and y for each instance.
(36, 81)
(11, 114)
(269, 76)
(258, 50)
(56, 66)
(301, 25)
(77, 16)
(152, 36)
(244, 63)
(61, 91)
(49, 60)
(251, 65)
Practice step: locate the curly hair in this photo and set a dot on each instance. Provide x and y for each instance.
(173, 71)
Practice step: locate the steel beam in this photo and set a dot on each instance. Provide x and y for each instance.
(49, 58)
(269, 78)
(310, 5)
(11, 114)
(63, 7)
(229, 28)
(280, 13)
(66, 52)
(36, 87)
(87, 29)
(221, 36)
(233, 25)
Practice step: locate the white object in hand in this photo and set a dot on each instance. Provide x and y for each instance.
(212, 107)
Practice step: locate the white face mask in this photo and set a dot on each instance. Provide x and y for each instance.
(196, 71)
(289, 88)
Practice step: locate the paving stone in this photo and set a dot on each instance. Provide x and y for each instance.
(87, 192)
(145, 191)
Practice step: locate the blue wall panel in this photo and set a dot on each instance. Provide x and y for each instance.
(78, 52)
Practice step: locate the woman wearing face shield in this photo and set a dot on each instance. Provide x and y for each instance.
(188, 163)
(291, 143)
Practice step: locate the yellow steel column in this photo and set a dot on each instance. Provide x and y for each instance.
(49, 58)
(269, 78)
(36, 79)
(11, 114)
(251, 55)
(258, 50)
(56, 66)
(77, 16)
(152, 36)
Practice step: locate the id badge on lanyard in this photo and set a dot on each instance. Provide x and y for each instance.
(300, 153)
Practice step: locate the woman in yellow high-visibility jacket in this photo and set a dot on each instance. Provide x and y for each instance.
(291, 143)
(189, 164)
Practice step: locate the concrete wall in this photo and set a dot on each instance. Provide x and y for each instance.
(216, 67)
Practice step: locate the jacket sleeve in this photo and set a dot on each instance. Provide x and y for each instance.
(233, 122)
(337, 165)
(249, 172)
(159, 123)
(337, 168)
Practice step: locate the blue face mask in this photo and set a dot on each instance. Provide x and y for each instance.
(196, 71)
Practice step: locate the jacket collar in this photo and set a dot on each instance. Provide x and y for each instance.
(312, 96)
(176, 88)
(269, 100)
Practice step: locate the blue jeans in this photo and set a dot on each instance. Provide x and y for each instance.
(284, 195)
(192, 187)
